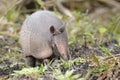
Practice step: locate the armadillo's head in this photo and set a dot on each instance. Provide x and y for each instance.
(60, 40)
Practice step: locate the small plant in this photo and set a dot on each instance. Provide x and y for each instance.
(102, 31)
(27, 71)
(71, 62)
(105, 50)
(67, 76)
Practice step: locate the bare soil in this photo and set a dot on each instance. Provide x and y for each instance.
(8, 65)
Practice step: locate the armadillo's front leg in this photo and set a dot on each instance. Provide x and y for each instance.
(30, 61)
(46, 61)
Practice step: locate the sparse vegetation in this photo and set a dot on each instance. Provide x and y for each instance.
(94, 40)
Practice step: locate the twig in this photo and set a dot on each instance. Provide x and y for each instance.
(10, 8)
(63, 10)
(13, 5)
(109, 57)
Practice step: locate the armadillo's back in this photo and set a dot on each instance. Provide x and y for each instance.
(40, 22)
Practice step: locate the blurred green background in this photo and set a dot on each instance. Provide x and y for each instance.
(96, 18)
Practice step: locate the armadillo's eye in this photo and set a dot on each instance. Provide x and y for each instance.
(52, 29)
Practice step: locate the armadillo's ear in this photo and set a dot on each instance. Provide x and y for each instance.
(52, 29)
(62, 29)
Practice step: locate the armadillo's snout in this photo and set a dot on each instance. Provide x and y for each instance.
(63, 51)
(62, 47)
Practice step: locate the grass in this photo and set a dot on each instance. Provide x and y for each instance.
(80, 30)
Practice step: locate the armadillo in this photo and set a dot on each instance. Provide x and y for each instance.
(41, 32)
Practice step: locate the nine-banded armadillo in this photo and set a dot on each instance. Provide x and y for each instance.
(40, 34)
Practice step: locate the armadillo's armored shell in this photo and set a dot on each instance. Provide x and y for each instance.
(35, 37)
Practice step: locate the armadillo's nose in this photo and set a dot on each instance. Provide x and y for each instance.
(65, 57)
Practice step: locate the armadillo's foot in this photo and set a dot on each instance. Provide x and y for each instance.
(46, 61)
(30, 61)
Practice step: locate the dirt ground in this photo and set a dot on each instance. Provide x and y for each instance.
(11, 63)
